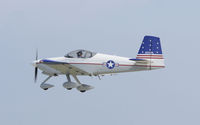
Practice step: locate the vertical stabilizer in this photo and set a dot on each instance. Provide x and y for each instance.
(151, 50)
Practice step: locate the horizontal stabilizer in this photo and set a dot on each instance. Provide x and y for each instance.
(137, 59)
(140, 61)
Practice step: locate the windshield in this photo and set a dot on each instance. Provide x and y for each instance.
(80, 54)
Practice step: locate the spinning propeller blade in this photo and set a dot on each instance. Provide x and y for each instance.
(36, 69)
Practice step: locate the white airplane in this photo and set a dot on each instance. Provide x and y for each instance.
(87, 63)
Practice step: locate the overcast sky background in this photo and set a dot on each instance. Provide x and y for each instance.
(169, 96)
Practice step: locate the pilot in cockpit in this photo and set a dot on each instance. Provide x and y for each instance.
(79, 54)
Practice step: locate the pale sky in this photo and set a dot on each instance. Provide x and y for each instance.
(169, 96)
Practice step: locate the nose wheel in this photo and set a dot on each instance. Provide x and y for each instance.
(46, 86)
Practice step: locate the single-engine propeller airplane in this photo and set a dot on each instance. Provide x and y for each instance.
(87, 63)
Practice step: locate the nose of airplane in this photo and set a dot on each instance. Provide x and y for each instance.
(34, 63)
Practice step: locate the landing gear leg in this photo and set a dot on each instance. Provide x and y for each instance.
(46, 79)
(77, 80)
(68, 78)
(82, 87)
(69, 81)
(45, 86)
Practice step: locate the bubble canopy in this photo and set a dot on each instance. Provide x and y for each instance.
(80, 54)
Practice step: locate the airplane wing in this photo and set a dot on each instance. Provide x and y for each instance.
(64, 67)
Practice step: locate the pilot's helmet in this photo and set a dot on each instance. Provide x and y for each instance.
(79, 54)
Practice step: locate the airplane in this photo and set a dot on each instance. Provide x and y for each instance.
(86, 63)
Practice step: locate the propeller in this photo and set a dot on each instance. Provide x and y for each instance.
(36, 69)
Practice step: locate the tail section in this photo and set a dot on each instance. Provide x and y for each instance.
(150, 48)
(151, 51)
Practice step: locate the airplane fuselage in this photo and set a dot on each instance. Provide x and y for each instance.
(98, 65)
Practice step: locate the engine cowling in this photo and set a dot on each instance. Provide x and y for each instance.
(70, 85)
(46, 86)
(84, 87)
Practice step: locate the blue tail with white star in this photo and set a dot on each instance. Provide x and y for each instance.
(151, 52)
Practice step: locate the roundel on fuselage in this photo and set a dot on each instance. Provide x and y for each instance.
(110, 64)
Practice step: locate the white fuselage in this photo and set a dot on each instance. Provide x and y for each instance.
(101, 64)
